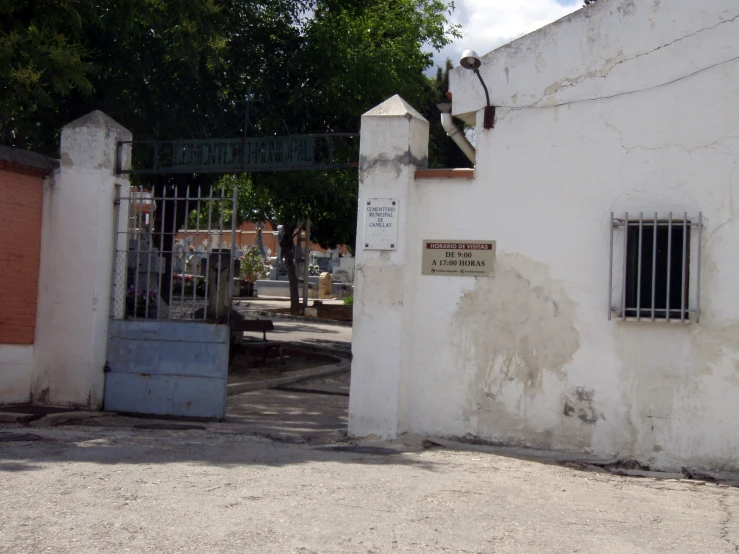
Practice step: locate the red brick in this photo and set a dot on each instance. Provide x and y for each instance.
(21, 198)
(461, 173)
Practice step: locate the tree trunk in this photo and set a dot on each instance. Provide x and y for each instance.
(288, 256)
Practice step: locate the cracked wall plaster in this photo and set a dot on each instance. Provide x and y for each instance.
(610, 48)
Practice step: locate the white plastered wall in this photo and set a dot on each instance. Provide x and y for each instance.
(529, 356)
(397, 141)
(16, 368)
(75, 281)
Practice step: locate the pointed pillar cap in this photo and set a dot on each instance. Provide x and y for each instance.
(395, 107)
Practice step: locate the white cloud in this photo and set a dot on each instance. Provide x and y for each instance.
(488, 24)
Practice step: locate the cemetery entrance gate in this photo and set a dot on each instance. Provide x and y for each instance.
(169, 335)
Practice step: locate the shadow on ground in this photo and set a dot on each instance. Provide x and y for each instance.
(268, 427)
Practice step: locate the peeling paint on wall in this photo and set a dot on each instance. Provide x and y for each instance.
(513, 330)
(602, 73)
(396, 164)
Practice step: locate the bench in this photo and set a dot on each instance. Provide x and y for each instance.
(238, 327)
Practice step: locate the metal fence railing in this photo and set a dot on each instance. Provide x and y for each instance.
(172, 257)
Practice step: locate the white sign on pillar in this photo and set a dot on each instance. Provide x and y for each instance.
(380, 224)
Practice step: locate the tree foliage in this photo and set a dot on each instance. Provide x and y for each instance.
(443, 152)
(182, 69)
(42, 57)
(354, 56)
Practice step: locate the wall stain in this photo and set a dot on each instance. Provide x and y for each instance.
(580, 403)
(394, 163)
(514, 330)
(40, 396)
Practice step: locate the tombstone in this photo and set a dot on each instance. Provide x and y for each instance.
(276, 265)
(346, 264)
(343, 270)
(272, 275)
(258, 240)
(341, 276)
(145, 262)
(178, 258)
(218, 285)
(144, 268)
(323, 263)
(278, 236)
(325, 285)
(192, 264)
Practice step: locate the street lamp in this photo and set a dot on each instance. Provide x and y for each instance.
(470, 60)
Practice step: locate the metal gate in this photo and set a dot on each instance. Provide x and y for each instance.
(168, 339)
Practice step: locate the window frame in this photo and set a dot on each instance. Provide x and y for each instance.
(624, 310)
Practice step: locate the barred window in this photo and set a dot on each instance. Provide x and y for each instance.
(656, 267)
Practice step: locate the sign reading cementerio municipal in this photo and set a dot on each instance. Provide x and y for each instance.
(458, 258)
(380, 224)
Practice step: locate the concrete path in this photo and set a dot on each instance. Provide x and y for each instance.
(305, 412)
(322, 335)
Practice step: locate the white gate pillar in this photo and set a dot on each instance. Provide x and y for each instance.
(76, 274)
(394, 143)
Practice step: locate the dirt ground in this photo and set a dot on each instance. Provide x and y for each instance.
(280, 476)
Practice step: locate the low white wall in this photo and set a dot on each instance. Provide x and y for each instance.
(16, 368)
(528, 356)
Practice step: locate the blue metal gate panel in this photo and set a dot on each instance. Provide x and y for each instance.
(167, 368)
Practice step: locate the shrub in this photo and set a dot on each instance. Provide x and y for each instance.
(252, 265)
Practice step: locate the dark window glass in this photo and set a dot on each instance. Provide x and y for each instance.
(674, 276)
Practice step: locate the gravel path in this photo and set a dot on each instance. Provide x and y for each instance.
(280, 476)
(124, 490)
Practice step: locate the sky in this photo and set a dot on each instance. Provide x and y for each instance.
(488, 24)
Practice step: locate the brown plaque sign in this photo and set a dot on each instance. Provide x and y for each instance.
(458, 258)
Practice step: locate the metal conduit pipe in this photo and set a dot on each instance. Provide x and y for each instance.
(456, 134)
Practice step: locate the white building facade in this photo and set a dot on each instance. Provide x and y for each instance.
(626, 107)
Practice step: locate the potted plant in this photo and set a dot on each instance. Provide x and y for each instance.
(252, 268)
(136, 303)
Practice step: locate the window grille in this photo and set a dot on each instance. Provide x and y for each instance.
(656, 270)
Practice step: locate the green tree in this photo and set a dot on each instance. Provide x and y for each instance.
(443, 152)
(181, 69)
(42, 58)
(354, 56)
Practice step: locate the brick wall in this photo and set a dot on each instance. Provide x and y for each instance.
(21, 196)
(246, 234)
